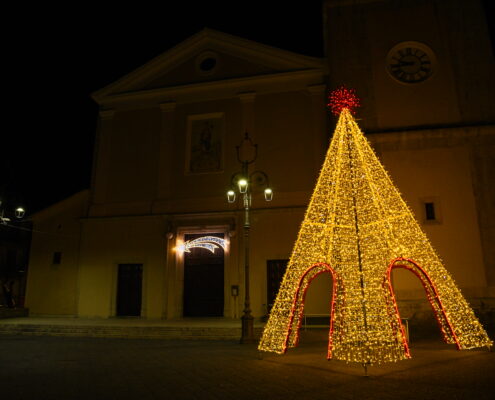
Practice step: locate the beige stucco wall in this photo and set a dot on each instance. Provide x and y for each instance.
(142, 191)
(53, 289)
(443, 175)
(462, 88)
(141, 166)
(107, 243)
(438, 166)
(273, 235)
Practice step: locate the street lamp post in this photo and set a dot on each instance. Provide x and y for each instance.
(244, 182)
(12, 273)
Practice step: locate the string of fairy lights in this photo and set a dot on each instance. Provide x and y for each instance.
(358, 228)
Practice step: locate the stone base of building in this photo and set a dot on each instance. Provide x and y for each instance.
(6, 312)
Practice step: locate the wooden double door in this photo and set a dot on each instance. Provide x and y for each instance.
(203, 280)
(129, 290)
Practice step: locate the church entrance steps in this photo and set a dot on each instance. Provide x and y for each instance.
(186, 329)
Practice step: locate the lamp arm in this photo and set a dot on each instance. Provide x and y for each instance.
(260, 178)
(247, 142)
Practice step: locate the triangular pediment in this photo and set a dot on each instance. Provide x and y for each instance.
(210, 56)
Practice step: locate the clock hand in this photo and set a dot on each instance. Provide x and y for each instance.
(406, 63)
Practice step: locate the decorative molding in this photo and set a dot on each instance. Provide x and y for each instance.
(316, 90)
(247, 97)
(206, 129)
(432, 137)
(168, 106)
(343, 3)
(203, 57)
(278, 82)
(107, 114)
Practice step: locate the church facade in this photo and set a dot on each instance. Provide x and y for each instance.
(166, 153)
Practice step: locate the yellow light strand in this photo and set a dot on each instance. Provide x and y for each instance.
(357, 217)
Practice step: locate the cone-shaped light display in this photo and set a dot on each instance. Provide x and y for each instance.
(358, 228)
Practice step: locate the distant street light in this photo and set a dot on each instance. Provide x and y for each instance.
(245, 183)
(18, 212)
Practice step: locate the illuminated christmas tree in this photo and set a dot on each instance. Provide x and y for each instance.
(358, 228)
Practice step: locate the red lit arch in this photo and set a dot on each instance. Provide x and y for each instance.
(445, 325)
(296, 314)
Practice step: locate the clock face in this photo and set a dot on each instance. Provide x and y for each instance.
(410, 62)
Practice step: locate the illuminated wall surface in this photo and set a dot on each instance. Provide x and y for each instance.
(358, 228)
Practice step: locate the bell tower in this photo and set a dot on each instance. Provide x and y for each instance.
(425, 72)
(415, 63)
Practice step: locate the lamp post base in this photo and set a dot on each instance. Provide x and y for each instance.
(247, 329)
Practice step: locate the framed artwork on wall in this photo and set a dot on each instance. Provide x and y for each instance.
(205, 143)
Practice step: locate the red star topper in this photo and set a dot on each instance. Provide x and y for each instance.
(343, 98)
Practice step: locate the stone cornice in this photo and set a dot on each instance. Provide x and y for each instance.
(168, 106)
(434, 137)
(247, 97)
(316, 90)
(280, 82)
(342, 3)
(203, 215)
(106, 114)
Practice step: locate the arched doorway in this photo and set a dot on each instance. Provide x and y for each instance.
(432, 295)
(297, 311)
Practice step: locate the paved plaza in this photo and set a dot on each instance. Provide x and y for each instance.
(44, 367)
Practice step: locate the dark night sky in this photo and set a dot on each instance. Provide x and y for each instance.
(58, 57)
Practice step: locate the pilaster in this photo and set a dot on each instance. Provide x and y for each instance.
(247, 112)
(102, 156)
(166, 150)
(319, 125)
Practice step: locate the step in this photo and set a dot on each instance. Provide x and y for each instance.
(142, 332)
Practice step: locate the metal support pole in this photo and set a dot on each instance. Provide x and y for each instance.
(247, 152)
(247, 318)
(365, 366)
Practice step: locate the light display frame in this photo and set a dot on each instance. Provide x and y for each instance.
(358, 228)
(210, 243)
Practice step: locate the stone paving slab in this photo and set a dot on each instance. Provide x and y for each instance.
(102, 368)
